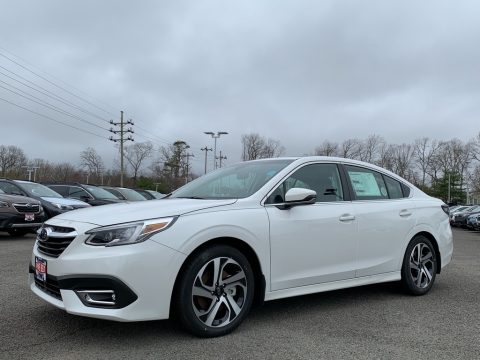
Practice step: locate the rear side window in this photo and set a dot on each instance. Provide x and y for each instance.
(77, 193)
(366, 184)
(62, 190)
(394, 188)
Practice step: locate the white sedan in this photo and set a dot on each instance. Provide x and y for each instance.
(241, 235)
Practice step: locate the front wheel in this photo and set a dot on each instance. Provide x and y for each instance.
(419, 266)
(215, 293)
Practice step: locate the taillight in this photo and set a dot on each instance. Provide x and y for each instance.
(446, 209)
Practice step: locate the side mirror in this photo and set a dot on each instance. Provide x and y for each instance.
(300, 196)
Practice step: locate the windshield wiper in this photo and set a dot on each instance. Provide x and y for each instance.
(190, 197)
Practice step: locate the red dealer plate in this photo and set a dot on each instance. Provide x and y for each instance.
(40, 269)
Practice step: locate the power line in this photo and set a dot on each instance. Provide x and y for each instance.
(58, 79)
(47, 93)
(54, 84)
(47, 105)
(50, 118)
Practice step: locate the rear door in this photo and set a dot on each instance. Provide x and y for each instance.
(385, 217)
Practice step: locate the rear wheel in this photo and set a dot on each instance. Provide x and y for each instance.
(215, 293)
(419, 266)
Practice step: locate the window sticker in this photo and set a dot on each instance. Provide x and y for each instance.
(364, 183)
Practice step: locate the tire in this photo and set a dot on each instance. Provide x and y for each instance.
(419, 267)
(209, 308)
(18, 232)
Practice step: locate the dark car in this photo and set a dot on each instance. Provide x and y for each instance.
(20, 215)
(125, 193)
(52, 202)
(460, 218)
(150, 194)
(91, 194)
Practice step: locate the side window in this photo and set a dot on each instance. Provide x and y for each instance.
(394, 188)
(10, 189)
(62, 190)
(77, 192)
(324, 179)
(367, 184)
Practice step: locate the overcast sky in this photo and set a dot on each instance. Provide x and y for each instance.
(297, 71)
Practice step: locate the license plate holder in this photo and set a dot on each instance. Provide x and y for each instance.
(29, 217)
(40, 269)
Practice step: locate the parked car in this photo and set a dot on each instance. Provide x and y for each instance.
(459, 218)
(52, 202)
(472, 220)
(243, 234)
(476, 223)
(125, 193)
(20, 215)
(91, 194)
(150, 194)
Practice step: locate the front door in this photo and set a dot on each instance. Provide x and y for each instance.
(312, 244)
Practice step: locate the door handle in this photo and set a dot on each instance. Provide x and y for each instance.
(347, 217)
(405, 213)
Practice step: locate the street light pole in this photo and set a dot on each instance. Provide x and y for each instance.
(215, 136)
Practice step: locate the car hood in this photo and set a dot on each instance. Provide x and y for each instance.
(64, 201)
(17, 199)
(140, 210)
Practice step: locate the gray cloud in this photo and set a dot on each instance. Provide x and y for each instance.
(297, 71)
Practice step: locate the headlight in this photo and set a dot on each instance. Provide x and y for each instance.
(3, 204)
(130, 233)
(62, 207)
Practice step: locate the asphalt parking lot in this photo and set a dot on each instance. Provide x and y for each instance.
(372, 322)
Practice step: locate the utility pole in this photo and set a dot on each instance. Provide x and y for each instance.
(215, 137)
(31, 169)
(122, 139)
(206, 149)
(188, 156)
(449, 199)
(221, 158)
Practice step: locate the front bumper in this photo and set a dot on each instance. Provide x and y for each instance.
(147, 271)
(14, 221)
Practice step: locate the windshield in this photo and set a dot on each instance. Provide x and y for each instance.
(233, 182)
(39, 190)
(156, 194)
(100, 193)
(131, 195)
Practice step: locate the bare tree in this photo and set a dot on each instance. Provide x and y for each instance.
(252, 145)
(327, 149)
(272, 148)
(350, 149)
(93, 162)
(402, 156)
(255, 146)
(136, 154)
(11, 158)
(369, 148)
(424, 152)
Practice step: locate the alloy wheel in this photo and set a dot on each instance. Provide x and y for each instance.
(422, 265)
(219, 292)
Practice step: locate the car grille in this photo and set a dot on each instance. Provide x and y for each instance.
(53, 240)
(27, 208)
(50, 287)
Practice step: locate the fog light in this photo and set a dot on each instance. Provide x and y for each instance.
(97, 297)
